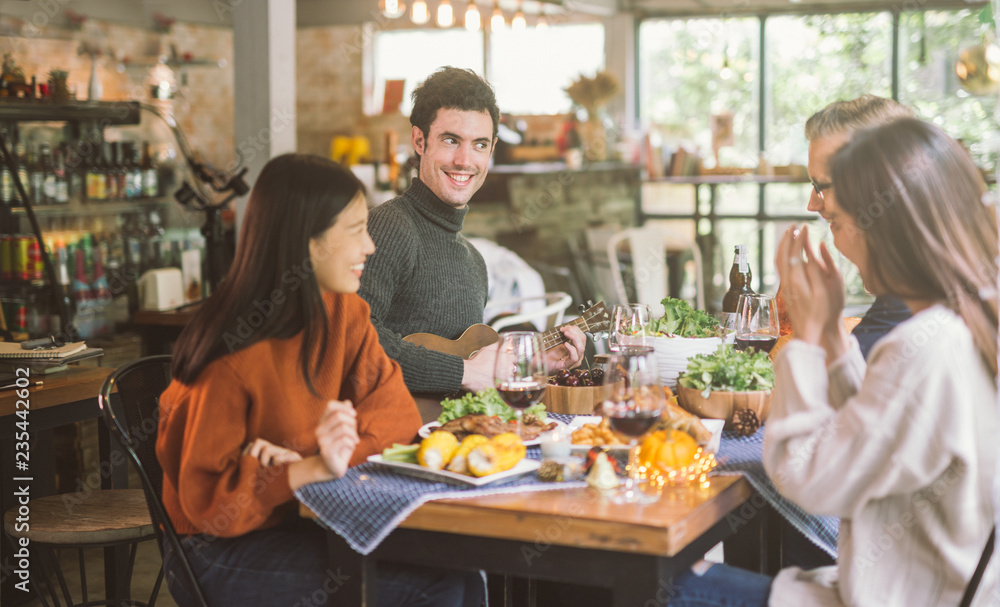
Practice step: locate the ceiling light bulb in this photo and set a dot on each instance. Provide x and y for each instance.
(446, 16)
(473, 20)
(542, 23)
(725, 73)
(497, 22)
(393, 8)
(518, 23)
(419, 13)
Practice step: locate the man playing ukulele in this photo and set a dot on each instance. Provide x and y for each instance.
(424, 276)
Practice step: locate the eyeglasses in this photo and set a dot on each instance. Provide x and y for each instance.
(819, 187)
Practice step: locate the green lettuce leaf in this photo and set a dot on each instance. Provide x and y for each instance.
(681, 320)
(727, 370)
(487, 402)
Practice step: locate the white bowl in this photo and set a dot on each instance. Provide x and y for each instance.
(672, 353)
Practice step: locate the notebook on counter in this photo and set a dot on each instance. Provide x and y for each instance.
(48, 364)
(10, 349)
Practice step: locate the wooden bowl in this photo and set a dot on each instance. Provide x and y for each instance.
(579, 400)
(722, 405)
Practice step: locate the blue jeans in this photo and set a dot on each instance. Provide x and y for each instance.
(286, 566)
(720, 586)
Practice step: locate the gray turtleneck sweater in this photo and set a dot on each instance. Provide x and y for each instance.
(424, 277)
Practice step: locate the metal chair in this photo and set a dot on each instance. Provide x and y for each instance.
(649, 246)
(133, 418)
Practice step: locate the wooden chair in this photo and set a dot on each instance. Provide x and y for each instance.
(84, 520)
(133, 418)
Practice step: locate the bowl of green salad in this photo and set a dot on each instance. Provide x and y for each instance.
(682, 332)
(720, 384)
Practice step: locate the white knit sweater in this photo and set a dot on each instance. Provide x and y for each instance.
(903, 451)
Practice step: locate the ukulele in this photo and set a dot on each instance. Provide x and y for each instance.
(593, 320)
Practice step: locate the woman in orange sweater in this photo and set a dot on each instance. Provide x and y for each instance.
(280, 381)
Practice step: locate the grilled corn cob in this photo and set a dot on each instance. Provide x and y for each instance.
(437, 449)
(501, 453)
(459, 461)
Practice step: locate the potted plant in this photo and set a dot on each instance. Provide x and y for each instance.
(593, 94)
(58, 87)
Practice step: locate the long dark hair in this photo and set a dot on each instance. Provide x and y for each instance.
(918, 198)
(271, 290)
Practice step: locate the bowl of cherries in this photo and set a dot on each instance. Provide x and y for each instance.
(574, 392)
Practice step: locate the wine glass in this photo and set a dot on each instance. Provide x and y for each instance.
(519, 373)
(757, 324)
(626, 321)
(633, 403)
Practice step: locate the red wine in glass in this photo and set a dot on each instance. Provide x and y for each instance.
(761, 343)
(633, 423)
(521, 394)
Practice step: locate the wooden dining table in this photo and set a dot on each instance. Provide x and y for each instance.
(573, 535)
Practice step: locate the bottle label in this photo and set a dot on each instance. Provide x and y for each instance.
(744, 260)
(150, 188)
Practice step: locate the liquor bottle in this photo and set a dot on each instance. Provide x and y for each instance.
(59, 176)
(739, 284)
(48, 174)
(6, 179)
(150, 177)
(76, 173)
(95, 177)
(62, 261)
(21, 160)
(133, 175)
(120, 172)
(35, 177)
(110, 171)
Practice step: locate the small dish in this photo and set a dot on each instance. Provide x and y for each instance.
(443, 476)
(581, 421)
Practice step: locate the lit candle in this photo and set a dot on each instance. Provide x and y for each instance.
(555, 444)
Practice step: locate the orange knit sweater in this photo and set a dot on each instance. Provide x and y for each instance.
(258, 392)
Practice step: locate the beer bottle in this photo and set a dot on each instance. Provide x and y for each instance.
(739, 284)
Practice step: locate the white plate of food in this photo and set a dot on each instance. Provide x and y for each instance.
(491, 428)
(443, 476)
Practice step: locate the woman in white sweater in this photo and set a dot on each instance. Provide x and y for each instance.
(902, 449)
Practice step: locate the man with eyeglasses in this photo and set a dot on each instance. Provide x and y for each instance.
(827, 131)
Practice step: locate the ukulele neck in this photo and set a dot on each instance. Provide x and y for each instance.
(555, 337)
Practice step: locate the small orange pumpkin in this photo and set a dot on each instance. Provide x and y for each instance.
(667, 450)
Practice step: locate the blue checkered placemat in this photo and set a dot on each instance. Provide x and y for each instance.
(370, 501)
(739, 454)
